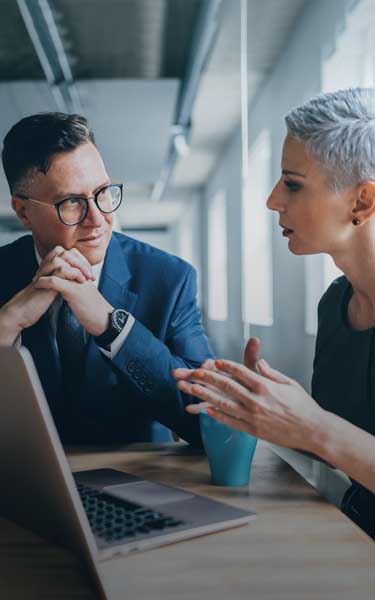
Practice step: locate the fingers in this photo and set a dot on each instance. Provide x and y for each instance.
(185, 374)
(57, 284)
(188, 374)
(233, 379)
(215, 381)
(69, 264)
(251, 353)
(60, 268)
(208, 396)
(187, 386)
(267, 371)
(242, 374)
(78, 261)
(261, 366)
(56, 251)
(182, 373)
(209, 364)
(226, 403)
(221, 383)
(195, 409)
(47, 259)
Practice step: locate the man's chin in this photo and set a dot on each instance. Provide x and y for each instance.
(94, 250)
(93, 255)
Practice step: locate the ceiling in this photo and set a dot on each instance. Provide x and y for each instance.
(128, 58)
(217, 112)
(105, 39)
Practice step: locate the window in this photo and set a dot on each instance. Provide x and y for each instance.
(350, 64)
(217, 258)
(257, 272)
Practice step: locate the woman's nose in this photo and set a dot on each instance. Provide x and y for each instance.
(275, 201)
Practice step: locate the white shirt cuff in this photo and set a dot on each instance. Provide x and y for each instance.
(120, 340)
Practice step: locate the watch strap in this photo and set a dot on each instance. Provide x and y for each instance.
(117, 322)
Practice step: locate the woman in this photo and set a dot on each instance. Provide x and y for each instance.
(326, 203)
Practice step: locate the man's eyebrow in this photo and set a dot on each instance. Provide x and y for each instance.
(288, 172)
(63, 195)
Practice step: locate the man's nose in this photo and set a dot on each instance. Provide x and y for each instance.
(94, 217)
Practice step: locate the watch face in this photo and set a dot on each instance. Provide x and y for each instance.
(119, 319)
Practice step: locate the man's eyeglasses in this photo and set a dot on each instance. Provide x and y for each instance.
(73, 210)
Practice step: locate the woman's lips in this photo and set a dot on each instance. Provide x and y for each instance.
(287, 232)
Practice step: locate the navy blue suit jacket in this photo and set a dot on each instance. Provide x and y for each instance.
(117, 400)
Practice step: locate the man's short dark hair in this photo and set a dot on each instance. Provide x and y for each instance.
(32, 142)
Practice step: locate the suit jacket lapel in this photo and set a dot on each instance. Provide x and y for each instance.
(115, 279)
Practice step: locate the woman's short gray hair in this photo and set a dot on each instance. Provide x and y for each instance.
(338, 129)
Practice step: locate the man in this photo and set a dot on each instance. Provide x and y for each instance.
(105, 317)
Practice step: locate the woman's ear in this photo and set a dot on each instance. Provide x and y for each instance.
(364, 205)
(20, 208)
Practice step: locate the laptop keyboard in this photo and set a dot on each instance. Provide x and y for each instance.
(114, 519)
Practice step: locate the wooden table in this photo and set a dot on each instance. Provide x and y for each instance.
(299, 547)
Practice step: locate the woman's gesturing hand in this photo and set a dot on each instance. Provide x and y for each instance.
(267, 404)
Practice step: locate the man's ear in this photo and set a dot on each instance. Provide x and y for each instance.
(364, 205)
(20, 208)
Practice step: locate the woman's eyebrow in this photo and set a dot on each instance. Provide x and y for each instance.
(288, 172)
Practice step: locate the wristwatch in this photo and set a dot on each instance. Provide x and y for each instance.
(117, 322)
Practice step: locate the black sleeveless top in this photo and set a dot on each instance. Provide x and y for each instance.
(344, 383)
(344, 365)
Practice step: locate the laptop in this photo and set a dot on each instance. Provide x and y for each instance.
(99, 514)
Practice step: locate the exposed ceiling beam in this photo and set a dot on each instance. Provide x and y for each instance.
(44, 34)
(202, 44)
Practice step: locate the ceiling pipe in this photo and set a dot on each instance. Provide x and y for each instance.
(40, 24)
(180, 133)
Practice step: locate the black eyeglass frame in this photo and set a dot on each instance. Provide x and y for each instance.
(86, 199)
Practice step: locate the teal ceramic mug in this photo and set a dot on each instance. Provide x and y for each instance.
(229, 451)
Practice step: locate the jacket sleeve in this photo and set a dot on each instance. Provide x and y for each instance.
(146, 363)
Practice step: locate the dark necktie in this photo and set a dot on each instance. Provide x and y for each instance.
(70, 338)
